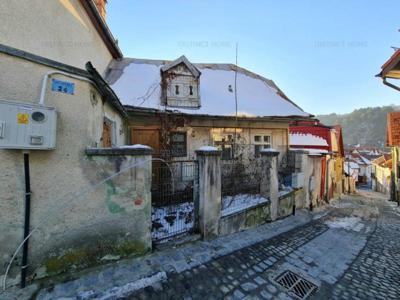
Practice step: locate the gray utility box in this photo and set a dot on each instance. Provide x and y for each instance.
(27, 126)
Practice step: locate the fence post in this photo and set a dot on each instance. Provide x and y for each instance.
(269, 179)
(208, 204)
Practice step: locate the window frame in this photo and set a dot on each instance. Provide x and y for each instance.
(172, 143)
(261, 144)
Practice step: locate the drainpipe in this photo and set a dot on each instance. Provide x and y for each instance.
(46, 77)
(385, 82)
(27, 219)
(327, 180)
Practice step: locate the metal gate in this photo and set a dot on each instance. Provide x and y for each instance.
(173, 192)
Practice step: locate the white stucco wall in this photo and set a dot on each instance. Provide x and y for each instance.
(56, 29)
(55, 174)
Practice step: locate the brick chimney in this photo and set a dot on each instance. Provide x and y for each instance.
(101, 7)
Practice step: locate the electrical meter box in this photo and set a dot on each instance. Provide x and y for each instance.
(27, 126)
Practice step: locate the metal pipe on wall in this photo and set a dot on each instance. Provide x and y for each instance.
(27, 219)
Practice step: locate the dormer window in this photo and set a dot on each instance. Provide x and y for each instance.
(180, 84)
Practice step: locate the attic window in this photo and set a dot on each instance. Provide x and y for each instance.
(191, 90)
(176, 89)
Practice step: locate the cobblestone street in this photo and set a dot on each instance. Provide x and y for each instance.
(351, 253)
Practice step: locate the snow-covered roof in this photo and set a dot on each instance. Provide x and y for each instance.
(137, 82)
(306, 139)
(311, 151)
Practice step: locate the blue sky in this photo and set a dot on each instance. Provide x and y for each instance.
(322, 54)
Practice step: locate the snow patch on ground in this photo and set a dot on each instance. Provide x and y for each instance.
(171, 220)
(348, 223)
(237, 203)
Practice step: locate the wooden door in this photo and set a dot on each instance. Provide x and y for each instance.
(148, 137)
(151, 138)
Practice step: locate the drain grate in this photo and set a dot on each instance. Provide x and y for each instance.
(296, 284)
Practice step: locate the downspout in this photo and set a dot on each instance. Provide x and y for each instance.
(46, 77)
(327, 180)
(27, 219)
(385, 82)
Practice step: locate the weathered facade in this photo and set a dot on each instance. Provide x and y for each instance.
(70, 213)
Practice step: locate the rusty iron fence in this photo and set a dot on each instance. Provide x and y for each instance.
(173, 191)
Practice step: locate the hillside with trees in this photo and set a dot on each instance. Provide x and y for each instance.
(364, 126)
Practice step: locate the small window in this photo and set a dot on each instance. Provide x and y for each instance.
(191, 90)
(261, 142)
(178, 144)
(176, 89)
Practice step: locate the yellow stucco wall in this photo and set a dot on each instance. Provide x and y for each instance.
(56, 29)
(55, 174)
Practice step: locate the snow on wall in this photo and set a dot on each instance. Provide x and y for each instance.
(139, 85)
(237, 203)
(306, 139)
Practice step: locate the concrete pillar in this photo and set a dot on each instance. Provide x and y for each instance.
(208, 206)
(269, 179)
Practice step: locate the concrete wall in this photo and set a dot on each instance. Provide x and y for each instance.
(56, 29)
(245, 219)
(285, 205)
(54, 173)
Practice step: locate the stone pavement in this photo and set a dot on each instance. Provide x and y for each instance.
(111, 281)
(352, 253)
(349, 252)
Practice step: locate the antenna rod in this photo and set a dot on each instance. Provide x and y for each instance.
(236, 102)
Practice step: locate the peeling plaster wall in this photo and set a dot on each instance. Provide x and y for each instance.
(56, 29)
(56, 174)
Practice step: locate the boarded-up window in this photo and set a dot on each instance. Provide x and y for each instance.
(109, 136)
(106, 136)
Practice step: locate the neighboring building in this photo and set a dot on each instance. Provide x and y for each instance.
(326, 141)
(381, 174)
(44, 53)
(178, 106)
(391, 70)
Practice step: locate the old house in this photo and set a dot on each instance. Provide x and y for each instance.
(178, 106)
